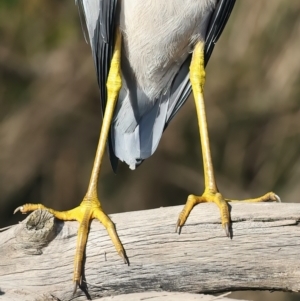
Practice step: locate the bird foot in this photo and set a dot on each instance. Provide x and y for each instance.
(221, 202)
(89, 209)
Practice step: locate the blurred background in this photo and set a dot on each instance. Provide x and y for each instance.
(50, 115)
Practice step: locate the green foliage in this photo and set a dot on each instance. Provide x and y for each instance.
(8, 3)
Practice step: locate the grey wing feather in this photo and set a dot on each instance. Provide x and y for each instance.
(217, 23)
(99, 17)
(138, 122)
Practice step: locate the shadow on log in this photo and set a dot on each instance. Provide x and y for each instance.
(37, 255)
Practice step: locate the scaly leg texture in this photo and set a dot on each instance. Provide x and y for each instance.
(90, 207)
(211, 193)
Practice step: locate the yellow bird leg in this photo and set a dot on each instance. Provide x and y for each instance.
(211, 193)
(90, 207)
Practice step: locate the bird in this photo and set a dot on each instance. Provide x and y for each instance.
(149, 56)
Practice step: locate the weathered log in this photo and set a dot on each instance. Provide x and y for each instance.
(37, 255)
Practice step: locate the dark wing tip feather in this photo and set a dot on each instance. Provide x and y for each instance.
(216, 25)
(102, 28)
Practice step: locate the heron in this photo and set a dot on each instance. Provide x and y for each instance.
(149, 56)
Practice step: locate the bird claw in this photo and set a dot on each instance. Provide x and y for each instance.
(226, 228)
(20, 208)
(76, 284)
(277, 198)
(178, 226)
(124, 256)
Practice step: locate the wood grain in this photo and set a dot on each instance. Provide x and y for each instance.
(37, 255)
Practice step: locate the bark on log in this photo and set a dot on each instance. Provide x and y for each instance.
(37, 255)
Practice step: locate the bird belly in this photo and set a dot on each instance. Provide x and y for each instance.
(158, 36)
